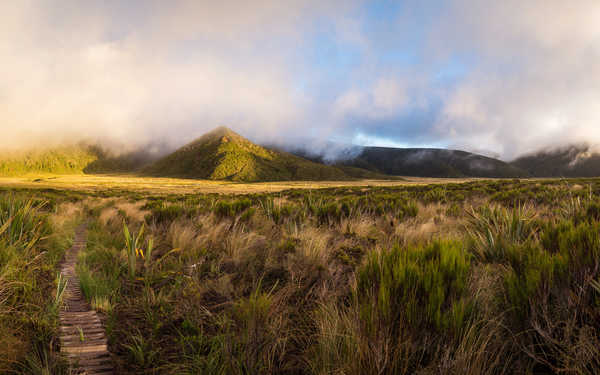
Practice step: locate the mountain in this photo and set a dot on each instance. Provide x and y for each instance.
(131, 161)
(570, 161)
(60, 160)
(77, 158)
(418, 162)
(430, 162)
(225, 155)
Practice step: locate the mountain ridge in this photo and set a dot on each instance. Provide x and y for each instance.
(225, 155)
(418, 162)
(222, 154)
(575, 160)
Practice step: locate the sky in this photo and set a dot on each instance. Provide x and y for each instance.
(502, 78)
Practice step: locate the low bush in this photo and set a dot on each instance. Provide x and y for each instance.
(233, 208)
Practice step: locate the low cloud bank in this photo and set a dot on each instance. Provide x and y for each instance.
(503, 78)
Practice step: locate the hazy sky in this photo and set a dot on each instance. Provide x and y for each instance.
(501, 77)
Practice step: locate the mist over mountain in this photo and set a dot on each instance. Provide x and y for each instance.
(78, 158)
(419, 162)
(319, 150)
(110, 161)
(580, 160)
(464, 74)
(223, 154)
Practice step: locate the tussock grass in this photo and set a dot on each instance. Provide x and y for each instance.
(494, 229)
(31, 244)
(485, 277)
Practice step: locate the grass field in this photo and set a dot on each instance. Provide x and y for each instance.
(367, 277)
(158, 185)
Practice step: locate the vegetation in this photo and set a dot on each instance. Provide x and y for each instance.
(432, 163)
(482, 277)
(62, 160)
(33, 236)
(571, 161)
(74, 159)
(223, 154)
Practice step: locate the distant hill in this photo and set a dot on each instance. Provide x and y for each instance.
(74, 159)
(61, 160)
(418, 162)
(225, 155)
(570, 161)
(428, 162)
(132, 161)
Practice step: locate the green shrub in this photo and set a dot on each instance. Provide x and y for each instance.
(247, 215)
(435, 195)
(532, 274)
(410, 209)
(593, 211)
(165, 213)
(232, 209)
(329, 213)
(494, 229)
(420, 288)
(454, 210)
(578, 244)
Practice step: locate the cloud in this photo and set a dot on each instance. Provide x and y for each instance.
(139, 70)
(536, 80)
(385, 98)
(503, 77)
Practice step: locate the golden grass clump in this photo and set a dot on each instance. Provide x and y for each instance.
(182, 235)
(132, 211)
(313, 245)
(108, 215)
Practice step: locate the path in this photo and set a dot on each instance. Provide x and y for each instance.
(82, 336)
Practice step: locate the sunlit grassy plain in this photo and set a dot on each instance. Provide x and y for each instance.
(428, 276)
(91, 183)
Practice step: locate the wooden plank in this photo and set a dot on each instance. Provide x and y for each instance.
(83, 349)
(87, 337)
(77, 319)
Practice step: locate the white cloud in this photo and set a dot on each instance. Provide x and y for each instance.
(135, 71)
(142, 70)
(384, 99)
(537, 80)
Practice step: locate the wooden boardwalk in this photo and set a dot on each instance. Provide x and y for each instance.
(82, 336)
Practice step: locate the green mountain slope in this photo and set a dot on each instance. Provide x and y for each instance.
(419, 162)
(423, 162)
(61, 160)
(571, 161)
(225, 155)
(73, 159)
(126, 162)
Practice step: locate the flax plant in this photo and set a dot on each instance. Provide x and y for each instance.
(133, 245)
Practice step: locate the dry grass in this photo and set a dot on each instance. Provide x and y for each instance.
(360, 225)
(108, 214)
(94, 183)
(182, 235)
(133, 211)
(313, 245)
(241, 242)
(66, 212)
(252, 292)
(432, 222)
